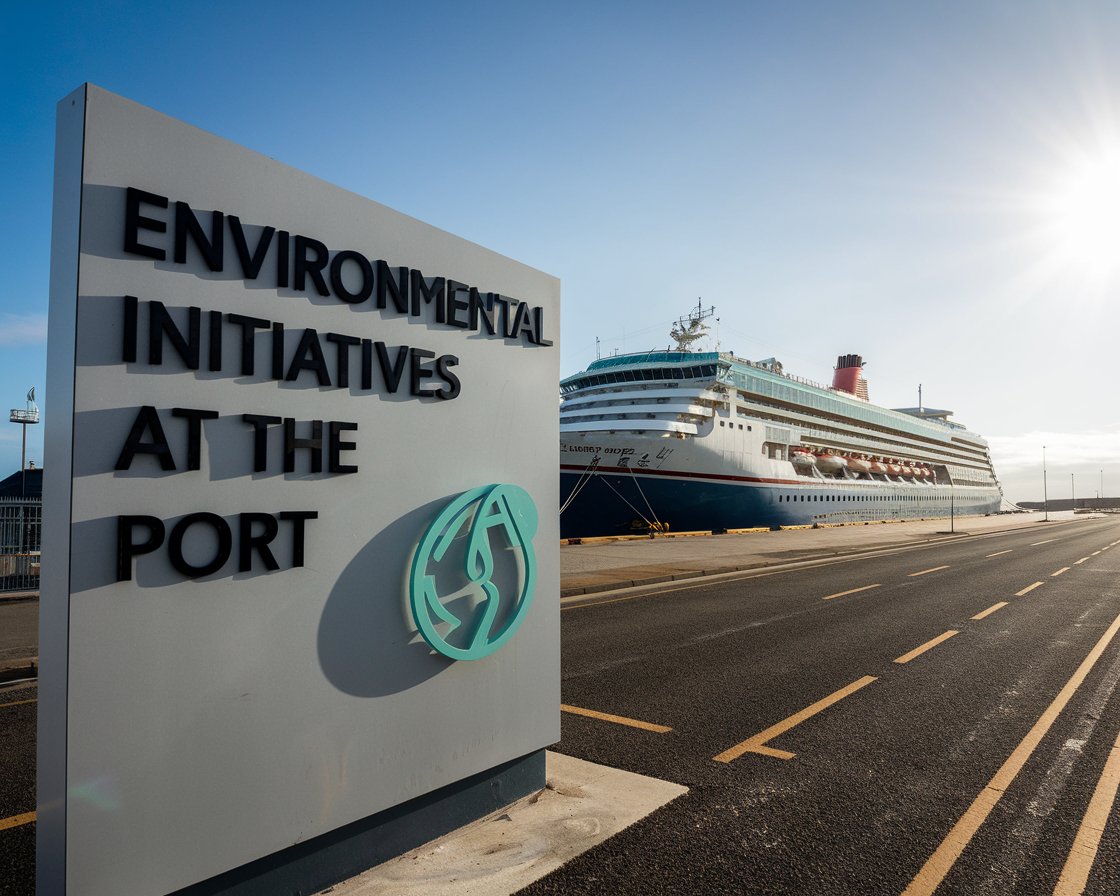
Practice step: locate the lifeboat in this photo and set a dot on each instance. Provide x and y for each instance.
(894, 469)
(926, 472)
(877, 467)
(907, 471)
(830, 463)
(858, 465)
(802, 459)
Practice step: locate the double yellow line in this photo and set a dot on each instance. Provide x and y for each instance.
(945, 856)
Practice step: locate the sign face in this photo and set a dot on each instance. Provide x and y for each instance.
(301, 557)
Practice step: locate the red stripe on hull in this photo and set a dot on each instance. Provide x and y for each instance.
(716, 477)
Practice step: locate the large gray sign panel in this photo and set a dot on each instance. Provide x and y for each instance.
(301, 541)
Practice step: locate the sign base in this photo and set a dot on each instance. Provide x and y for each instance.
(348, 851)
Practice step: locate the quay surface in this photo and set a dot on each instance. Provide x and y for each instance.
(595, 565)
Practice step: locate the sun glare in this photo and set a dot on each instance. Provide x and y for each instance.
(1083, 212)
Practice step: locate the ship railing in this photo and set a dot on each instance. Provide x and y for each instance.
(805, 381)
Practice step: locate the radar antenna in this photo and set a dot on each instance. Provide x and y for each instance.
(688, 330)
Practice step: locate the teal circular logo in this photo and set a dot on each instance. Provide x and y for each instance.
(474, 572)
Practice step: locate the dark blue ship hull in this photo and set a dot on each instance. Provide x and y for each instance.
(612, 504)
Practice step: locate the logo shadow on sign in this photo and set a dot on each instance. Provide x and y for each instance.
(366, 647)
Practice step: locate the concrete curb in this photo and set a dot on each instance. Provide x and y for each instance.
(652, 536)
(24, 667)
(15, 596)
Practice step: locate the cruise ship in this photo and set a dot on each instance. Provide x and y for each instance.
(679, 440)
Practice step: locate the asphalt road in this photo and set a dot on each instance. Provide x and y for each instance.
(17, 789)
(818, 761)
(790, 795)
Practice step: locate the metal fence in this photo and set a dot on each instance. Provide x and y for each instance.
(21, 531)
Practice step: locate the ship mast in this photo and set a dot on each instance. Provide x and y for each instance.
(688, 330)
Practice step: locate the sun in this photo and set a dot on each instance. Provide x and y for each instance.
(1082, 211)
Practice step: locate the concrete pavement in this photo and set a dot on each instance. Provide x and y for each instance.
(582, 805)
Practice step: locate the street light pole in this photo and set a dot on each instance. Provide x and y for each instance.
(1045, 499)
(26, 416)
(1073, 492)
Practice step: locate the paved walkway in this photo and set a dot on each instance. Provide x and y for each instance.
(604, 564)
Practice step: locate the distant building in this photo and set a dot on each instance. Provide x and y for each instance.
(13, 486)
(1056, 504)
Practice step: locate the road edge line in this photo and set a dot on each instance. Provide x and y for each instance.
(938, 865)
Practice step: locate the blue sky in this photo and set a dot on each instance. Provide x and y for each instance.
(891, 179)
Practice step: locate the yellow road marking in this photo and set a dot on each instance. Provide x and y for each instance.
(1075, 874)
(1094, 553)
(16, 821)
(1106, 547)
(924, 571)
(991, 610)
(851, 591)
(945, 856)
(757, 744)
(1027, 589)
(997, 553)
(618, 720)
(1059, 572)
(1048, 540)
(17, 703)
(1082, 560)
(929, 645)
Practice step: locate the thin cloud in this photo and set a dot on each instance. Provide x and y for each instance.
(23, 329)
